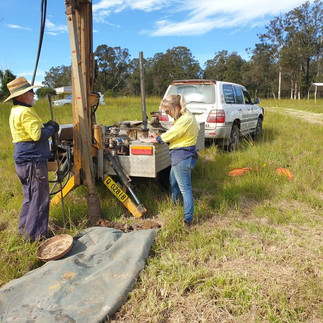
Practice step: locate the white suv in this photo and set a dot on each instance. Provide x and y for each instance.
(69, 99)
(225, 108)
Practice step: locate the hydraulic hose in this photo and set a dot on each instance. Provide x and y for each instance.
(41, 35)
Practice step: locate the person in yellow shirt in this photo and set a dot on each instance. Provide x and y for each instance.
(182, 138)
(31, 153)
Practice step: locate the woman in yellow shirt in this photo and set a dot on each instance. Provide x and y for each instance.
(182, 137)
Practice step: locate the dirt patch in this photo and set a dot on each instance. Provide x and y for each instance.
(134, 225)
(3, 226)
(125, 225)
(316, 118)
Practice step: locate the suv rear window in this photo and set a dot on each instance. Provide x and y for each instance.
(201, 93)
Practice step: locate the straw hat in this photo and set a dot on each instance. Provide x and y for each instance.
(19, 86)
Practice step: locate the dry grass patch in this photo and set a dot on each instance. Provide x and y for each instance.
(311, 117)
(240, 267)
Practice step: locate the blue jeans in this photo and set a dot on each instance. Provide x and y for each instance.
(180, 182)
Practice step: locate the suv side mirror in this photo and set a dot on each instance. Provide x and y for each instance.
(257, 101)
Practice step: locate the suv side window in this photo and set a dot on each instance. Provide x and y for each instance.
(247, 97)
(239, 95)
(228, 93)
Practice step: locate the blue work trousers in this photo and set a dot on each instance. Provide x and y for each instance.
(33, 220)
(180, 182)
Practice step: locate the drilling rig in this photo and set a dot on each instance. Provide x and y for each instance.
(88, 151)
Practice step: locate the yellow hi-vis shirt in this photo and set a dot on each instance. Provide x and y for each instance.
(183, 133)
(25, 125)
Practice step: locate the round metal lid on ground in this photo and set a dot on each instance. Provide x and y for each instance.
(55, 247)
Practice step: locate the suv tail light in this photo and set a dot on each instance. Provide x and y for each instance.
(216, 116)
(163, 116)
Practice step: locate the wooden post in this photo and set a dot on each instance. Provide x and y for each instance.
(79, 21)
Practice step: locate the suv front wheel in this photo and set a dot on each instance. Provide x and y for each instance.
(258, 130)
(234, 139)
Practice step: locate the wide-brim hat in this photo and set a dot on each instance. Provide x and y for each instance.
(18, 87)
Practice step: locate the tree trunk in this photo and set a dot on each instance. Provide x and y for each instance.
(274, 95)
(308, 73)
(119, 81)
(279, 82)
(291, 89)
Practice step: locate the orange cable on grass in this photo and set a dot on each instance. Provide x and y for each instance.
(280, 171)
(285, 172)
(239, 171)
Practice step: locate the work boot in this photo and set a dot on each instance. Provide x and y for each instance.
(187, 224)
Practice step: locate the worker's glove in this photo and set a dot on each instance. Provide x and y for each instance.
(53, 124)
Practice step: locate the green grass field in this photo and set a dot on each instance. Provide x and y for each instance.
(256, 251)
(303, 105)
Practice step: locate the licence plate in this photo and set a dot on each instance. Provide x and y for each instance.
(115, 189)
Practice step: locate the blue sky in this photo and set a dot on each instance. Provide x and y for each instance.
(150, 26)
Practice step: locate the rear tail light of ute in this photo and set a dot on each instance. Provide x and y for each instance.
(163, 116)
(216, 116)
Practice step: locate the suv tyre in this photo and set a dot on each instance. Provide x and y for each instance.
(234, 139)
(258, 130)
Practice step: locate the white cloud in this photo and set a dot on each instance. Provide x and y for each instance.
(18, 27)
(144, 5)
(101, 15)
(189, 27)
(149, 5)
(191, 17)
(206, 15)
(107, 4)
(55, 30)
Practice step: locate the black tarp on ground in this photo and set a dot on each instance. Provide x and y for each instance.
(89, 283)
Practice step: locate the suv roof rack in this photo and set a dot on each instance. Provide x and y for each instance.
(202, 81)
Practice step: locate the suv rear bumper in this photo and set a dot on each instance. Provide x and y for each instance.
(218, 132)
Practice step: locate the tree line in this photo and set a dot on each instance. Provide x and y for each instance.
(284, 63)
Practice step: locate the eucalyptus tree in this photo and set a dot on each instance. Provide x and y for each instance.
(295, 42)
(58, 76)
(215, 68)
(133, 81)
(274, 40)
(182, 63)
(176, 63)
(304, 33)
(113, 67)
(44, 91)
(259, 73)
(6, 76)
(234, 66)
(224, 67)
(159, 73)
